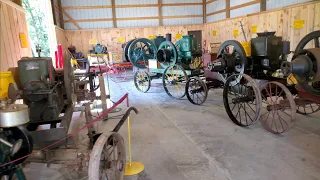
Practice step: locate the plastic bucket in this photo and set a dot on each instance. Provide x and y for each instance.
(247, 47)
(5, 79)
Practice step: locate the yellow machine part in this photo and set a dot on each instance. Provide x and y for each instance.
(6, 78)
(291, 80)
(247, 47)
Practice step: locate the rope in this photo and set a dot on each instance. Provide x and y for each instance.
(74, 133)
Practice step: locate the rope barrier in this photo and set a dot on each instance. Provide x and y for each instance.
(76, 132)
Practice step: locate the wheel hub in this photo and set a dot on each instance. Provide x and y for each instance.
(242, 99)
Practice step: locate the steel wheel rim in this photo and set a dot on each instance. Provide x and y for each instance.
(242, 100)
(274, 118)
(196, 91)
(174, 80)
(308, 108)
(142, 81)
(113, 157)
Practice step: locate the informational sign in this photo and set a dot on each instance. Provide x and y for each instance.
(214, 33)
(23, 40)
(236, 32)
(151, 37)
(178, 36)
(93, 41)
(120, 39)
(298, 24)
(254, 29)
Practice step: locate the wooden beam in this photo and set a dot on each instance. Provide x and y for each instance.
(137, 18)
(184, 16)
(211, 1)
(55, 21)
(263, 5)
(160, 12)
(204, 11)
(70, 18)
(136, 5)
(216, 12)
(90, 20)
(245, 4)
(19, 2)
(86, 7)
(60, 15)
(227, 8)
(182, 4)
(113, 14)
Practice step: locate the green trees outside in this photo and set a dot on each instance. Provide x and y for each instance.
(37, 26)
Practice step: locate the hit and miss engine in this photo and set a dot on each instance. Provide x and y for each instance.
(267, 54)
(43, 90)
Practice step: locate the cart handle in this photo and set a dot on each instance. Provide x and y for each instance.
(124, 118)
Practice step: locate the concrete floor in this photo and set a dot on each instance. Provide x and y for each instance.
(177, 141)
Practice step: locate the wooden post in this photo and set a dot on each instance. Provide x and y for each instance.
(60, 15)
(263, 5)
(227, 8)
(19, 2)
(160, 12)
(204, 11)
(113, 14)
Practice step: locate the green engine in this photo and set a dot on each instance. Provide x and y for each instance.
(43, 90)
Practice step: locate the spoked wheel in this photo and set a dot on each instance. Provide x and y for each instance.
(306, 106)
(118, 74)
(142, 81)
(108, 158)
(233, 52)
(140, 51)
(242, 100)
(174, 80)
(196, 90)
(278, 107)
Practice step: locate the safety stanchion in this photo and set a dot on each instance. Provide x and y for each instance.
(132, 167)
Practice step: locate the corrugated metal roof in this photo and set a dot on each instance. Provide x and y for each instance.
(67, 3)
(216, 17)
(136, 12)
(238, 2)
(138, 23)
(272, 4)
(130, 2)
(182, 21)
(216, 6)
(181, 10)
(69, 26)
(180, 1)
(96, 25)
(245, 10)
(90, 13)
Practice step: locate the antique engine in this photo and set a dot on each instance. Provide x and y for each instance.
(15, 140)
(267, 53)
(43, 90)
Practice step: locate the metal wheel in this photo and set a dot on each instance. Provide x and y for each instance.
(68, 80)
(142, 81)
(196, 90)
(140, 51)
(306, 106)
(278, 107)
(126, 50)
(14, 134)
(174, 81)
(108, 158)
(236, 59)
(118, 73)
(167, 54)
(242, 100)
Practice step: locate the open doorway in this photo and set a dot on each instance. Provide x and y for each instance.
(198, 36)
(38, 15)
